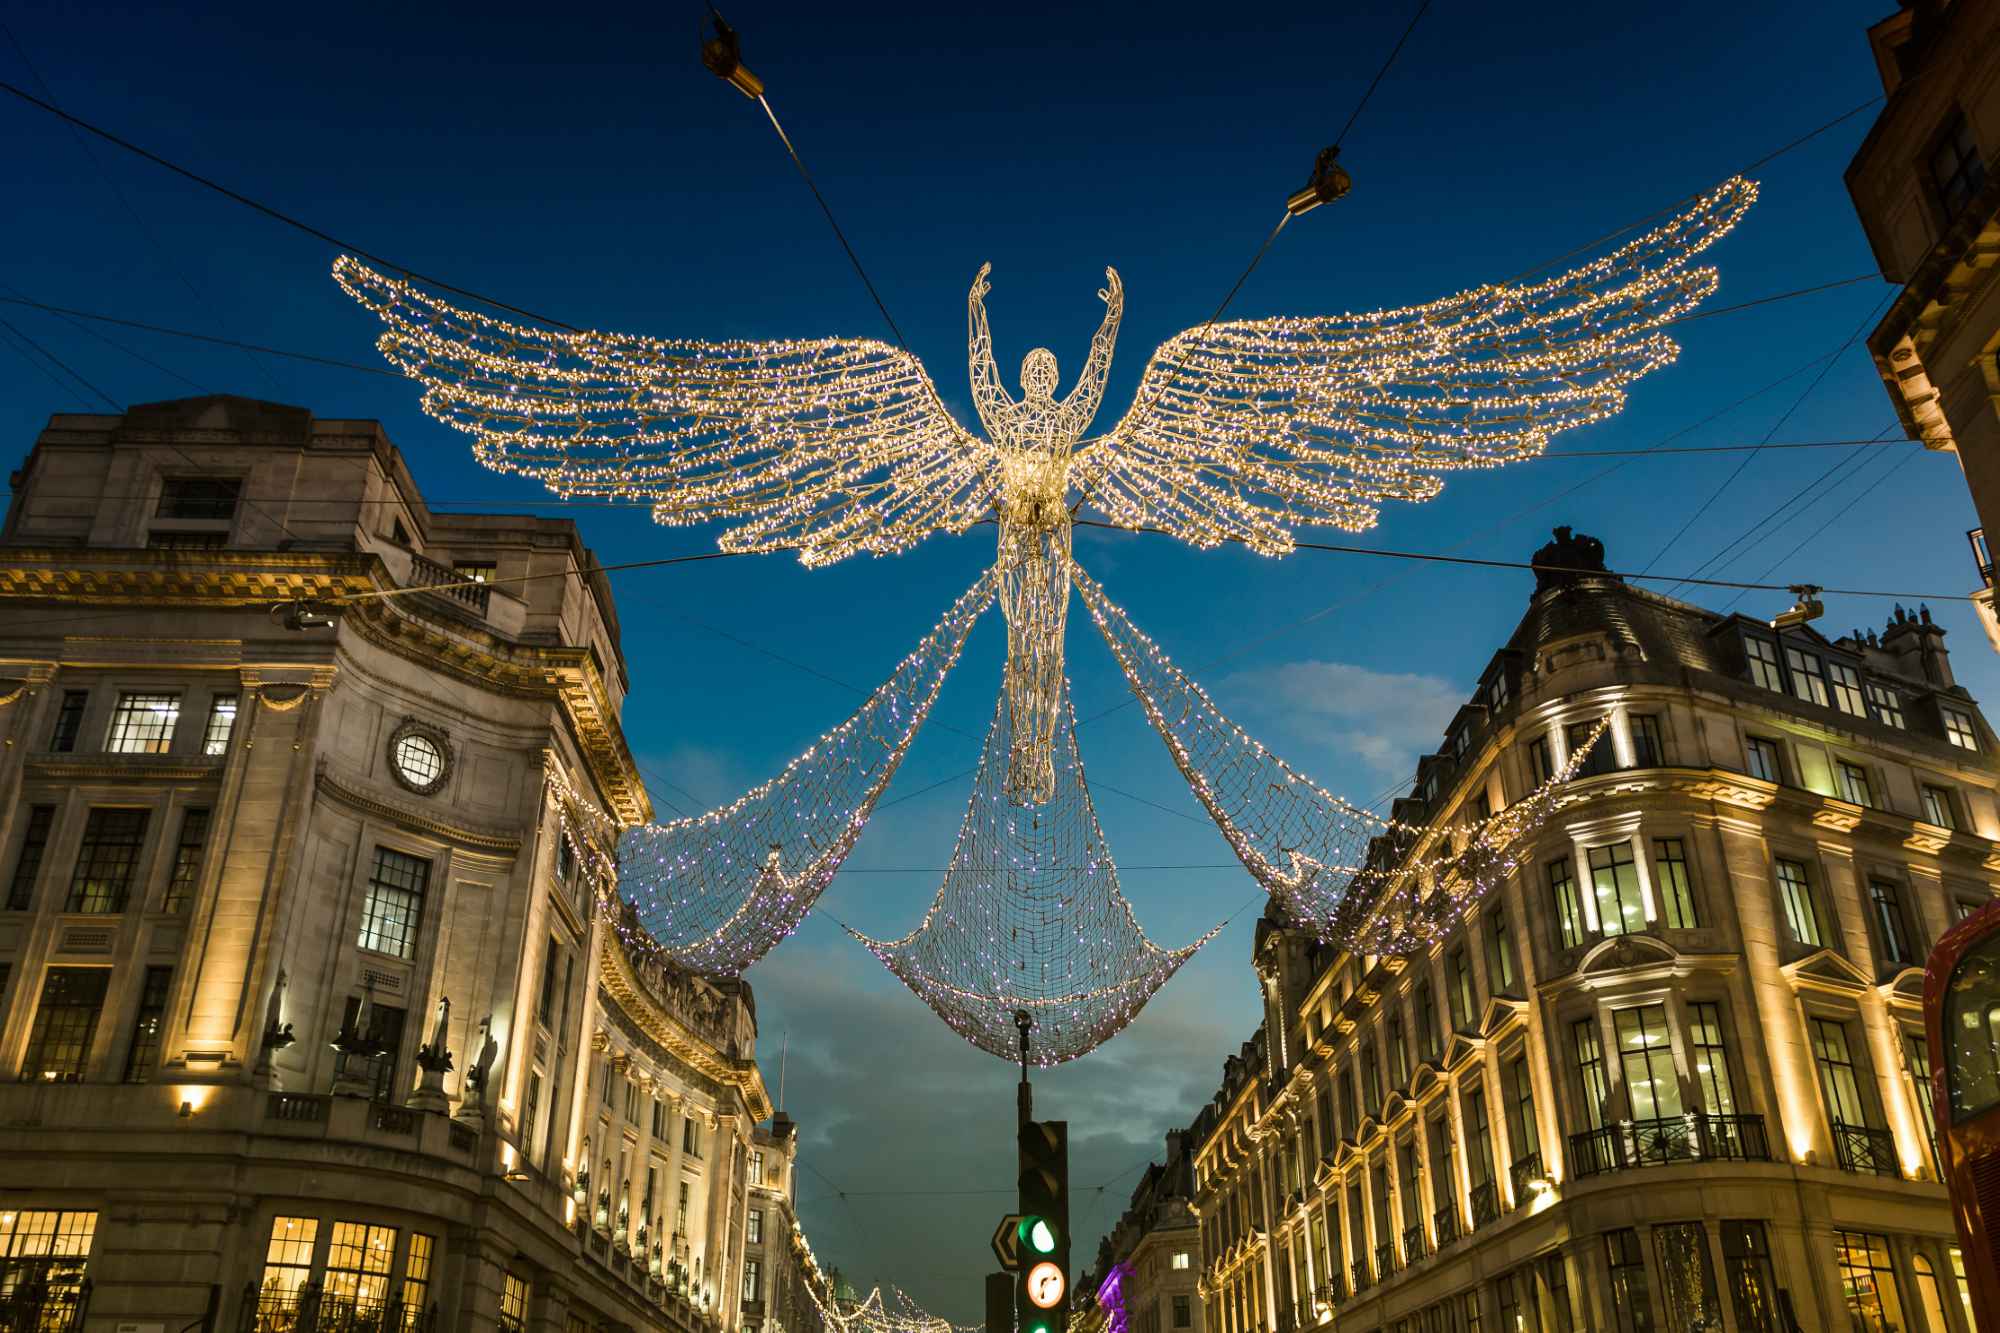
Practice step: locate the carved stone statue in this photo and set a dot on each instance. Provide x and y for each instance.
(435, 1061)
(472, 1100)
(277, 1035)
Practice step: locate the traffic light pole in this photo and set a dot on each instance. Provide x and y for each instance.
(1024, 1096)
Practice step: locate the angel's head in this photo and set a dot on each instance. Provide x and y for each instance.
(1038, 375)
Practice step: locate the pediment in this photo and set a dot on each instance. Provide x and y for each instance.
(1393, 1107)
(1623, 951)
(1501, 1013)
(1827, 969)
(1345, 1151)
(1324, 1172)
(1459, 1046)
(1424, 1079)
(1906, 987)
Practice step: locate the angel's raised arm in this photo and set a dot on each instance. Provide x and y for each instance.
(995, 408)
(1083, 400)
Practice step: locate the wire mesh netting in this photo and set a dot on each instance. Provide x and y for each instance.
(1030, 917)
(719, 891)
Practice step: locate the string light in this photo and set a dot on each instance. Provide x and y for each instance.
(1030, 916)
(719, 890)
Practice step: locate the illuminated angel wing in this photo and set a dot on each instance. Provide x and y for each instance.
(831, 446)
(1244, 429)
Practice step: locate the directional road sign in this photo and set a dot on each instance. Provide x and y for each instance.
(1007, 1242)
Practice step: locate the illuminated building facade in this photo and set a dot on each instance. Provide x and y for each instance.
(1670, 1072)
(1150, 1257)
(246, 866)
(784, 1289)
(1922, 187)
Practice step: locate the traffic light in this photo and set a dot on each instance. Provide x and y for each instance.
(1042, 1302)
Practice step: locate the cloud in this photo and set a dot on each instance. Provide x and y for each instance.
(1385, 719)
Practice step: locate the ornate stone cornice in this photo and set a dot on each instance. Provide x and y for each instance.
(496, 841)
(125, 767)
(621, 983)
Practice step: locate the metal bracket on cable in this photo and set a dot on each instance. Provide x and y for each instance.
(723, 54)
(1329, 181)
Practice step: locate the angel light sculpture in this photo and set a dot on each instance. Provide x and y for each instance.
(1241, 430)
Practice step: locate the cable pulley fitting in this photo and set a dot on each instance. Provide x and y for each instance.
(722, 53)
(1329, 181)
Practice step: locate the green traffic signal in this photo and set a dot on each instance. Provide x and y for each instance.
(1037, 1235)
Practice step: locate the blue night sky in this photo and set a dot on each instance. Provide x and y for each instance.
(577, 160)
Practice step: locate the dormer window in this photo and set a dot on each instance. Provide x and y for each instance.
(1957, 170)
(1888, 704)
(1958, 729)
(1808, 682)
(1762, 656)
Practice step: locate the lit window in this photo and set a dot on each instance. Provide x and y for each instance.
(46, 1252)
(1957, 170)
(1868, 1280)
(107, 860)
(1615, 882)
(221, 721)
(1846, 682)
(479, 571)
(513, 1303)
(288, 1261)
(1711, 1058)
(1888, 704)
(395, 903)
(1801, 918)
(187, 861)
(1854, 784)
(753, 1230)
(752, 1285)
(1836, 1070)
(1763, 659)
(1646, 1059)
(1670, 875)
(1959, 731)
(417, 1276)
(65, 1024)
(357, 1267)
(212, 499)
(1937, 808)
(1182, 1260)
(1807, 682)
(1589, 1049)
(419, 761)
(144, 724)
(756, 1168)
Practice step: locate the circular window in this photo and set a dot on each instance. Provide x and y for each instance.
(419, 757)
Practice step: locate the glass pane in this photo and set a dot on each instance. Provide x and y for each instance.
(1972, 1031)
(1687, 1283)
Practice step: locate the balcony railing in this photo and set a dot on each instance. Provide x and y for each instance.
(1485, 1201)
(1523, 1173)
(1413, 1243)
(1361, 1280)
(299, 1106)
(1385, 1259)
(1867, 1151)
(1689, 1138)
(310, 1309)
(1444, 1225)
(448, 582)
(45, 1307)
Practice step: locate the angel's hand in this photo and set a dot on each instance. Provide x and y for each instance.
(980, 286)
(1113, 292)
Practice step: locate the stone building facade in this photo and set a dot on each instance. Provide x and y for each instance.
(1149, 1259)
(1922, 187)
(312, 982)
(1669, 1073)
(784, 1288)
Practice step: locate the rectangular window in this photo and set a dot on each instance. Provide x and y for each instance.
(417, 1277)
(1371, 1075)
(1868, 1280)
(395, 903)
(1670, 880)
(513, 1303)
(752, 1286)
(1687, 1283)
(1501, 972)
(210, 499)
(1646, 1060)
(28, 862)
(358, 1260)
(1479, 1139)
(1807, 682)
(1846, 682)
(479, 571)
(144, 724)
(1399, 1052)
(1631, 1301)
(288, 1262)
(69, 721)
(1885, 900)
(631, 1103)
(65, 1024)
(1589, 1050)
(545, 1009)
(1917, 1055)
(143, 1053)
(1647, 751)
(1752, 1281)
(1711, 1058)
(1540, 766)
(1761, 759)
(1183, 1310)
(1836, 1072)
(1958, 729)
(1614, 881)
(530, 1104)
(187, 861)
(1566, 904)
(1183, 1261)
(1888, 704)
(221, 722)
(1854, 784)
(1801, 916)
(691, 1138)
(659, 1118)
(1522, 1128)
(1464, 998)
(1349, 1117)
(1427, 1021)
(753, 1231)
(1957, 171)
(1555, 1276)
(1938, 808)
(1470, 1303)
(385, 1030)
(1763, 660)
(107, 860)
(1601, 760)
(756, 1168)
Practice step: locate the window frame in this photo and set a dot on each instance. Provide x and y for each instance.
(1854, 783)
(1673, 884)
(220, 728)
(1801, 896)
(108, 860)
(1764, 661)
(1938, 800)
(1807, 669)
(1613, 864)
(78, 1041)
(1959, 728)
(143, 722)
(1952, 190)
(1887, 704)
(1649, 747)
(376, 918)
